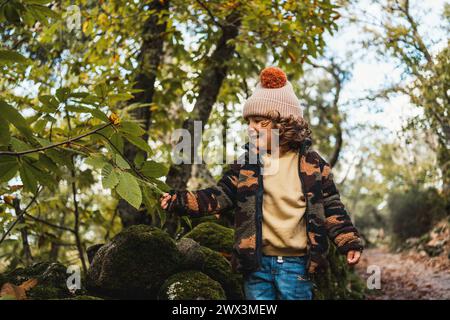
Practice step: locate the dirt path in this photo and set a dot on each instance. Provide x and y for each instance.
(407, 275)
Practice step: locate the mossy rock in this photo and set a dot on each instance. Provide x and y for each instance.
(338, 282)
(51, 280)
(222, 220)
(84, 297)
(191, 285)
(213, 264)
(92, 250)
(134, 264)
(213, 236)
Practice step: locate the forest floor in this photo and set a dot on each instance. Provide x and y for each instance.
(406, 275)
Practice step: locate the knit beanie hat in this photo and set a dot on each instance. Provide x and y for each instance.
(273, 92)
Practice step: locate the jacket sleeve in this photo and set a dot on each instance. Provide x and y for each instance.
(339, 226)
(211, 200)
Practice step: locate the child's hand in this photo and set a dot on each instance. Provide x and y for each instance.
(353, 257)
(164, 200)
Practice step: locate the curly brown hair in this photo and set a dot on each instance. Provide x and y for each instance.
(292, 131)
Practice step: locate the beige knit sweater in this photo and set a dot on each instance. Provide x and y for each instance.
(283, 227)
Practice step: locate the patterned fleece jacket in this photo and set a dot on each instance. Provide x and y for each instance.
(241, 189)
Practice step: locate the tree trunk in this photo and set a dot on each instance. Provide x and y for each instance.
(149, 61)
(55, 246)
(210, 83)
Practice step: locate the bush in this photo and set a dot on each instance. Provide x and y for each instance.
(414, 212)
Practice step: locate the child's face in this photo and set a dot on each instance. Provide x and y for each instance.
(259, 131)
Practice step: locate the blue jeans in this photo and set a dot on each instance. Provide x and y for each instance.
(276, 280)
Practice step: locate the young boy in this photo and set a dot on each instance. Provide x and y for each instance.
(283, 217)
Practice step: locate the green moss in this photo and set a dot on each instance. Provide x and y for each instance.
(338, 282)
(213, 236)
(222, 220)
(51, 278)
(191, 285)
(134, 264)
(84, 297)
(213, 264)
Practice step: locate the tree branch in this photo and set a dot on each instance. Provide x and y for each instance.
(21, 153)
(20, 215)
(50, 224)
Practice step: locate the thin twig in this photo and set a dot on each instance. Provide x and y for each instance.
(21, 153)
(50, 224)
(213, 18)
(20, 215)
(76, 227)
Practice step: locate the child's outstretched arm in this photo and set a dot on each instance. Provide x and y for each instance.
(207, 201)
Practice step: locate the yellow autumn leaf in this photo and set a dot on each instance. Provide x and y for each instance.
(17, 292)
(292, 56)
(102, 20)
(114, 118)
(86, 26)
(8, 199)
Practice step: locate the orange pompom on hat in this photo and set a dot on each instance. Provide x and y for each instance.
(273, 92)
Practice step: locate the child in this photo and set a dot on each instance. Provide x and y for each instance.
(283, 217)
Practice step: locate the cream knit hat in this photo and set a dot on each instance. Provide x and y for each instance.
(273, 92)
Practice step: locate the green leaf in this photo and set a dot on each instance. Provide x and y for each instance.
(50, 104)
(49, 164)
(9, 56)
(78, 94)
(15, 118)
(138, 142)
(116, 97)
(128, 188)
(19, 145)
(99, 115)
(28, 179)
(131, 128)
(90, 99)
(96, 161)
(162, 217)
(101, 90)
(37, 1)
(139, 159)
(162, 186)
(8, 167)
(117, 141)
(62, 94)
(10, 12)
(96, 113)
(154, 169)
(78, 109)
(37, 169)
(39, 125)
(150, 201)
(121, 163)
(110, 178)
(187, 221)
(42, 13)
(61, 158)
(5, 135)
